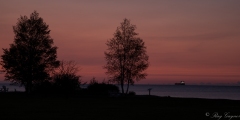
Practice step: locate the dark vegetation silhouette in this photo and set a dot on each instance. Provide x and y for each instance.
(64, 80)
(126, 56)
(131, 93)
(31, 57)
(102, 89)
(31, 61)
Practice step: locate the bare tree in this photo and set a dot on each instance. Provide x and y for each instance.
(65, 76)
(67, 67)
(126, 56)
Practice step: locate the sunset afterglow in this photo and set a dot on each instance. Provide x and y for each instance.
(193, 41)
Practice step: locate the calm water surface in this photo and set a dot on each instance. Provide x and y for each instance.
(12, 88)
(190, 91)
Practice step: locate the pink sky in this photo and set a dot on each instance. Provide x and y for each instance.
(195, 41)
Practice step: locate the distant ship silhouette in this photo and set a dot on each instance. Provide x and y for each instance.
(181, 83)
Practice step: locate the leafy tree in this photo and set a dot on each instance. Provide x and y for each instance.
(1, 71)
(32, 56)
(126, 56)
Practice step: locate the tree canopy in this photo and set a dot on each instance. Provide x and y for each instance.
(32, 56)
(126, 56)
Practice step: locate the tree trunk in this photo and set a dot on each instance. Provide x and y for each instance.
(122, 84)
(122, 79)
(127, 87)
(28, 87)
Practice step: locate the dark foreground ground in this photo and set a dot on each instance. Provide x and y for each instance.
(22, 107)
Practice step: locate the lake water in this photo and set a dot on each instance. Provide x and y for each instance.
(12, 88)
(190, 91)
(185, 91)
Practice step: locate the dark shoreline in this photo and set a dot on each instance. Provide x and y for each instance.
(19, 106)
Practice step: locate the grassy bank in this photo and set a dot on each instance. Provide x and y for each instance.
(20, 106)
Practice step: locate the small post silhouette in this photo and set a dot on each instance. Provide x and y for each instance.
(149, 91)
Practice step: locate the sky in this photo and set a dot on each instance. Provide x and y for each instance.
(196, 41)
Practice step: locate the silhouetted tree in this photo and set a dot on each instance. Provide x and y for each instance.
(67, 67)
(126, 56)
(32, 56)
(93, 81)
(65, 78)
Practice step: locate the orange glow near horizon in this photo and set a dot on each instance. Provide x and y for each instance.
(194, 41)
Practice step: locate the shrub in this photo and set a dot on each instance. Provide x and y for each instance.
(131, 93)
(102, 89)
(66, 83)
(44, 87)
